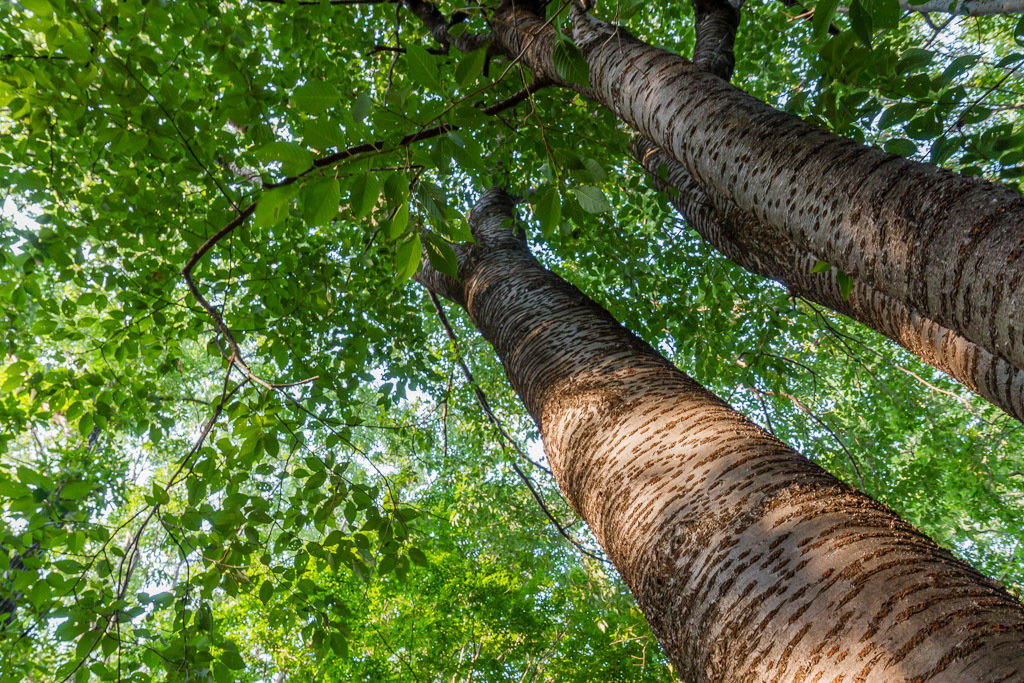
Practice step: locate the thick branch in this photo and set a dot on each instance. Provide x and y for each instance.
(716, 23)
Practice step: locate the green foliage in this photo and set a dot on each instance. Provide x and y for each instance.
(168, 514)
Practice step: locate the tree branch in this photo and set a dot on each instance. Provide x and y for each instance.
(969, 8)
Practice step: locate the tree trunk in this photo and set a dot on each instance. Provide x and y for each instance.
(757, 248)
(750, 562)
(950, 247)
(764, 251)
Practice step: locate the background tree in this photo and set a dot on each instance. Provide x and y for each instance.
(133, 132)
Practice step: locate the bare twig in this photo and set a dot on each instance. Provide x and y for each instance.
(824, 425)
(485, 405)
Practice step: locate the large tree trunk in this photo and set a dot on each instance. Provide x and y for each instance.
(749, 561)
(944, 245)
(753, 246)
(764, 251)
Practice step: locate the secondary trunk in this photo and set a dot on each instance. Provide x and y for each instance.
(753, 246)
(749, 561)
(947, 246)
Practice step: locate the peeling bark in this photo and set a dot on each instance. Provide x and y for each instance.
(950, 247)
(750, 562)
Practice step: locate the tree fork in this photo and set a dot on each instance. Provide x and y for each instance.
(749, 561)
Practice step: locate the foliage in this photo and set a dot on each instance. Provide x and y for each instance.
(169, 513)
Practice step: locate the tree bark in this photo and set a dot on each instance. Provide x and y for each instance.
(750, 562)
(740, 237)
(761, 250)
(970, 8)
(715, 25)
(950, 247)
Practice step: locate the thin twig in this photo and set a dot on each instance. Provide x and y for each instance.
(814, 416)
(482, 400)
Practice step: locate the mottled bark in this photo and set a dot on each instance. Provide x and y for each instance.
(945, 245)
(753, 246)
(750, 562)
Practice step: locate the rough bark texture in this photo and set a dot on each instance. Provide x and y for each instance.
(754, 247)
(950, 247)
(750, 562)
(971, 8)
(764, 251)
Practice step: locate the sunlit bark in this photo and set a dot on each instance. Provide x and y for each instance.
(769, 253)
(750, 244)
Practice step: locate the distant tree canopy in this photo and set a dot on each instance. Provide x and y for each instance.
(238, 443)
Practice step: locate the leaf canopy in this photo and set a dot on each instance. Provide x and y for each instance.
(341, 507)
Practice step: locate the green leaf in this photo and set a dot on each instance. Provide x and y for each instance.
(957, 67)
(232, 659)
(266, 591)
(40, 8)
(860, 22)
(418, 557)
(399, 221)
(823, 17)
(86, 425)
(320, 200)
(548, 210)
(408, 259)
(914, 59)
(10, 384)
(294, 157)
(944, 148)
(422, 66)
(897, 113)
(339, 644)
(361, 107)
(569, 62)
(821, 267)
(470, 66)
(592, 199)
(322, 134)
(885, 14)
(845, 283)
(1018, 31)
(76, 490)
(160, 494)
(396, 189)
(271, 445)
(363, 194)
(315, 97)
(386, 566)
(901, 146)
(441, 255)
(273, 205)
